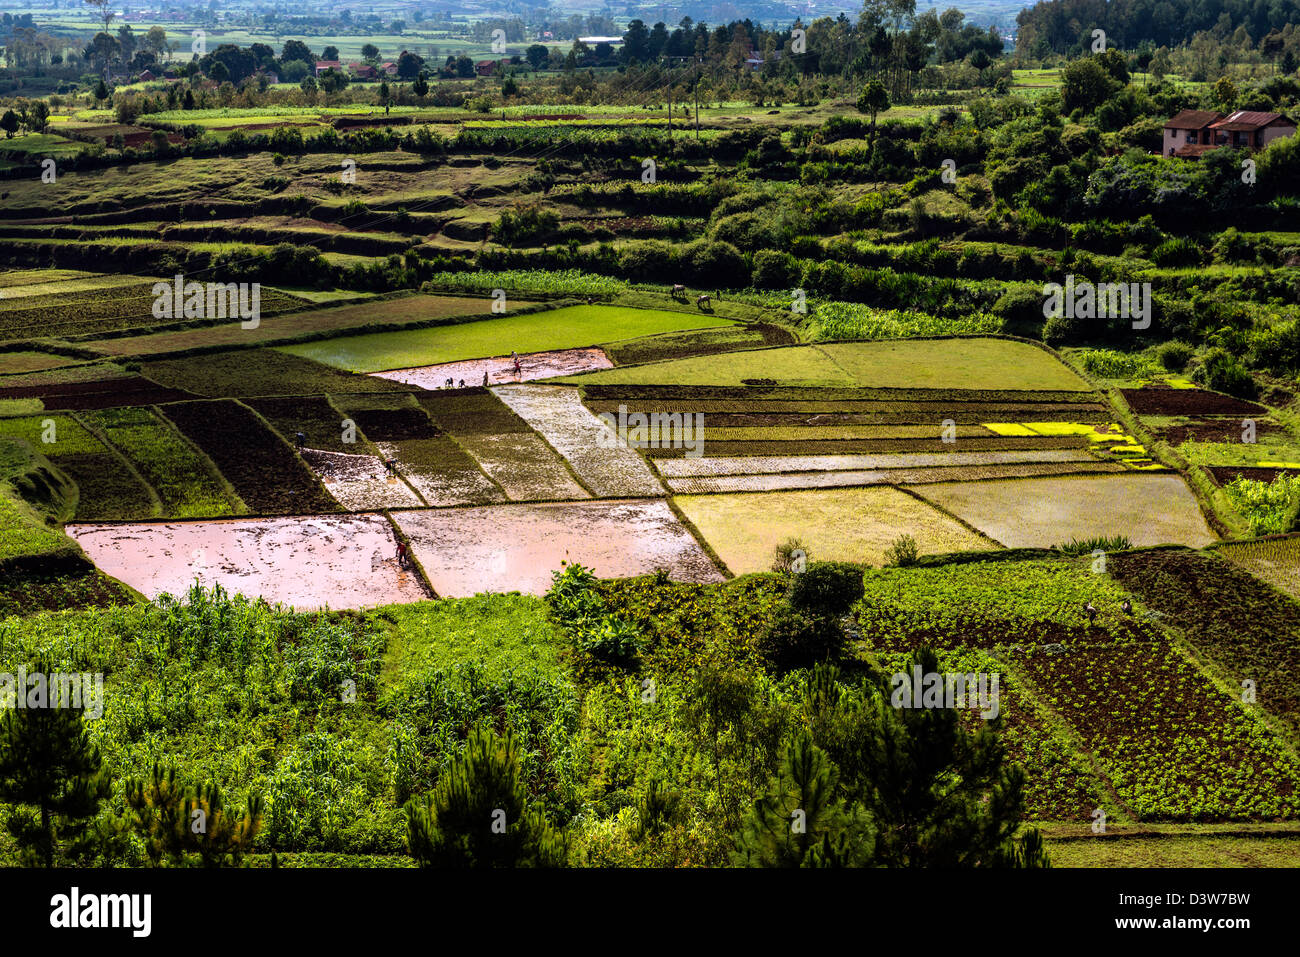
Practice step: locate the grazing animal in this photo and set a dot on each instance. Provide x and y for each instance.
(678, 290)
(1091, 612)
(702, 300)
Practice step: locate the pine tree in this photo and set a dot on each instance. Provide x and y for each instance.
(938, 794)
(178, 824)
(801, 822)
(478, 814)
(48, 764)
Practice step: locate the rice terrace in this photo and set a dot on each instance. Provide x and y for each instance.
(568, 450)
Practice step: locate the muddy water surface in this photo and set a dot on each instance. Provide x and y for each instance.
(501, 369)
(343, 561)
(501, 548)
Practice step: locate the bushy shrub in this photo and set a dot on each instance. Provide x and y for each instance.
(799, 640)
(1174, 356)
(826, 588)
(787, 554)
(1219, 370)
(1110, 364)
(903, 552)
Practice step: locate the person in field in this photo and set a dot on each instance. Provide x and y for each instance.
(401, 553)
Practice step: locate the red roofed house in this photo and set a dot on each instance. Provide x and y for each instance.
(362, 71)
(486, 67)
(1192, 132)
(1188, 134)
(1251, 129)
(389, 68)
(323, 65)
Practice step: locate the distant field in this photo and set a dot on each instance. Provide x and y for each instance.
(567, 328)
(410, 309)
(1042, 512)
(1275, 560)
(1182, 850)
(15, 362)
(850, 524)
(975, 363)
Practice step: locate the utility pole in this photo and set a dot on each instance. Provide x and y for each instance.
(669, 62)
(697, 99)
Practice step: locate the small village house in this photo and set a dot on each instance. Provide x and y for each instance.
(1193, 132)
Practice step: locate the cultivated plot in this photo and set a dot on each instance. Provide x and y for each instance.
(501, 369)
(772, 464)
(359, 482)
(523, 465)
(907, 476)
(1042, 512)
(558, 414)
(500, 548)
(345, 561)
(567, 328)
(850, 524)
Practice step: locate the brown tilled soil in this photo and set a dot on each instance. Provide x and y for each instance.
(1215, 430)
(97, 394)
(1223, 474)
(1150, 401)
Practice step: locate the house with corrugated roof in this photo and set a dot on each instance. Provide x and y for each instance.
(1192, 132)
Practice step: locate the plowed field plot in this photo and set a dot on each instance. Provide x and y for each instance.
(186, 482)
(1223, 474)
(470, 411)
(1246, 627)
(560, 417)
(97, 311)
(1174, 746)
(975, 363)
(974, 450)
(260, 372)
(441, 471)
(501, 369)
(698, 342)
(985, 604)
(359, 482)
(343, 561)
(570, 327)
(767, 465)
(264, 470)
(295, 325)
(106, 487)
(524, 466)
(1275, 560)
(1219, 430)
(704, 484)
(25, 361)
(1042, 512)
(1187, 402)
(922, 411)
(320, 423)
(97, 394)
(465, 551)
(856, 524)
